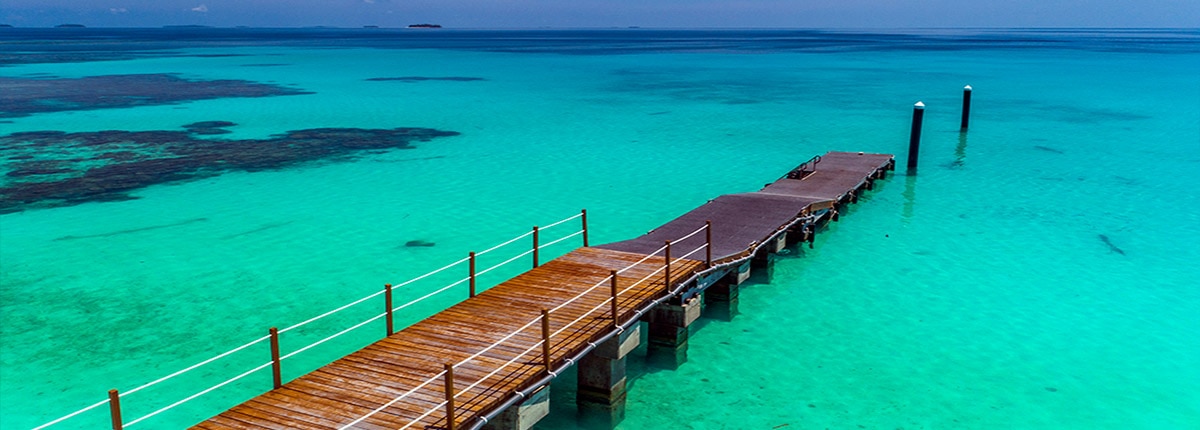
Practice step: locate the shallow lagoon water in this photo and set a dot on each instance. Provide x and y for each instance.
(985, 292)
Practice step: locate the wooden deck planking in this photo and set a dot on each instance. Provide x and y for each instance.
(357, 384)
(351, 387)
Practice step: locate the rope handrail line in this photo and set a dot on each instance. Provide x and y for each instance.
(148, 384)
(205, 391)
(563, 220)
(689, 236)
(685, 256)
(506, 243)
(194, 366)
(577, 233)
(457, 394)
(426, 414)
(497, 343)
(510, 260)
(581, 317)
(331, 337)
(71, 415)
(344, 307)
(577, 296)
(643, 260)
(431, 294)
(498, 369)
(402, 396)
(460, 261)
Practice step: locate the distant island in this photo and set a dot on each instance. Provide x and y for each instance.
(370, 26)
(70, 26)
(424, 26)
(5, 26)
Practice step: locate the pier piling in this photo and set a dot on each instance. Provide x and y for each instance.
(601, 395)
(966, 110)
(914, 139)
(668, 324)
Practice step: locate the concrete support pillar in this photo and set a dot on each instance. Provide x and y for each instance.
(721, 300)
(601, 394)
(524, 415)
(763, 262)
(669, 332)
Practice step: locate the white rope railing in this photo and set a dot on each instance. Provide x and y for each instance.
(461, 261)
(577, 233)
(689, 236)
(643, 260)
(506, 243)
(581, 317)
(498, 369)
(309, 321)
(577, 296)
(402, 397)
(426, 414)
(685, 256)
(497, 343)
(71, 415)
(344, 307)
(193, 396)
(576, 216)
(510, 260)
(331, 337)
(431, 294)
(194, 366)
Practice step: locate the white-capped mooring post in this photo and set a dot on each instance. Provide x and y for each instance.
(914, 139)
(966, 110)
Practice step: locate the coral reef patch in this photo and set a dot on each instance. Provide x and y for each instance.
(55, 168)
(23, 96)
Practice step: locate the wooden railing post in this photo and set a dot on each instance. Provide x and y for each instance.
(615, 308)
(585, 232)
(708, 244)
(535, 247)
(114, 409)
(546, 341)
(387, 300)
(667, 270)
(276, 365)
(472, 273)
(449, 397)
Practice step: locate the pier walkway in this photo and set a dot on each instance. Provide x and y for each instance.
(463, 365)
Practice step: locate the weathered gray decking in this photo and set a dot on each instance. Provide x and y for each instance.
(741, 220)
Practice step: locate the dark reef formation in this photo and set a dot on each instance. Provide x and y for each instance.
(29, 95)
(429, 78)
(55, 168)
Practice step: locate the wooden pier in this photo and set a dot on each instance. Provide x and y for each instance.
(488, 361)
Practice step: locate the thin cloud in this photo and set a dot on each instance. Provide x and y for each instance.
(201, 8)
(116, 10)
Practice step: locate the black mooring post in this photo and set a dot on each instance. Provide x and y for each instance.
(966, 114)
(914, 139)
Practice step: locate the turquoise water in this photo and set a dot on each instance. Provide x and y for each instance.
(977, 294)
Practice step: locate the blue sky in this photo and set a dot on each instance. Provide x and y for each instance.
(606, 13)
